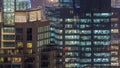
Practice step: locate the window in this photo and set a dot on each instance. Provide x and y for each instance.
(114, 58)
(86, 49)
(102, 14)
(102, 54)
(101, 60)
(19, 37)
(9, 44)
(87, 54)
(85, 20)
(114, 47)
(29, 45)
(113, 53)
(101, 31)
(84, 26)
(101, 20)
(72, 60)
(85, 60)
(71, 42)
(114, 19)
(29, 34)
(9, 30)
(85, 43)
(72, 36)
(1, 59)
(71, 31)
(68, 25)
(22, 5)
(29, 51)
(86, 37)
(19, 30)
(17, 59)
(85, 31)
(101, 42)
(71, 54)
(9, 37)
(99, 37)
(114, 30)
(20, 44)
(72, 65)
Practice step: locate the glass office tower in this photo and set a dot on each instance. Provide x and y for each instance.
(81, 28)
(8, 30)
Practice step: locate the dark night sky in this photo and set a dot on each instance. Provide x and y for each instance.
(35, 3)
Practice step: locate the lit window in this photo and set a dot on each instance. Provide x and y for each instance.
(72, 36)
(20, 44)
(71, 42)
(114, 47)
(29, 51)
(71, 31)
(115, 64)
(86, 49)
(101, 20)
(85, 60)
(101, 42)
(71, 59)
(17, 59)
(114, 58)
(114, 19)
(102, 54)
(29, 45)
(85, 32)
(114, 53)
(98, 37)
(85, 37)
(1, 59)
(85, 20)
(101, 31)
(102, 14)
(1, 51)
(72, 65)
(71, 54)
(87, 54)
(101, 59)
(68, 25)
(114, 31)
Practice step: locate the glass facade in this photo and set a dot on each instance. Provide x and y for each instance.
(8, 29)
(84, 34)
(23, 4)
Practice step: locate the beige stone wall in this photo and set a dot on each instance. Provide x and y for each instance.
(25, 16)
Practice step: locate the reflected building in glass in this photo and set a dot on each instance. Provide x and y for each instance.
(82, 30)
(23, 4)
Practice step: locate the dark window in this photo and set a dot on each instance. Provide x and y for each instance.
(19, 34)
(1, 66)
(29, 34)
(16, 66)
(44, 64)
(19, 30)
(7, 66)
(19, 37)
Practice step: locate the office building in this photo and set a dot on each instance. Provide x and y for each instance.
(22, 32)
(115, 3)
(82, 28)
(50, 56)
(115, 36)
